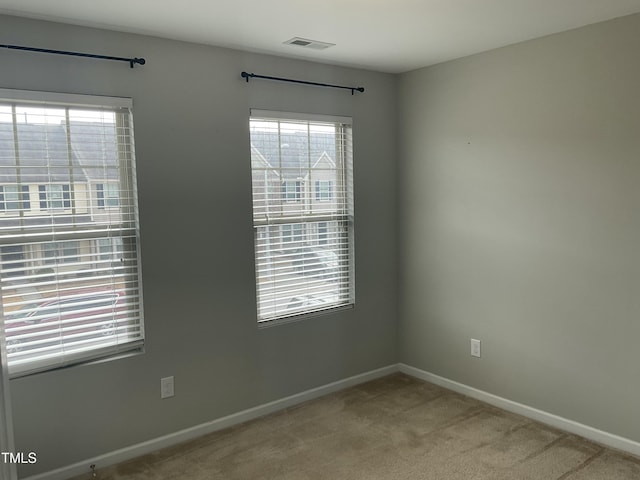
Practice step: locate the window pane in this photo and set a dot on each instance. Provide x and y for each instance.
(12, 257)
(112, 195)
(50, 253)
(69, 252)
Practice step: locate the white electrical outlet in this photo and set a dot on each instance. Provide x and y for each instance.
(166, 387)
(475, 347)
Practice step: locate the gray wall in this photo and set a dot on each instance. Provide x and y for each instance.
(192, 139)
(519, 201)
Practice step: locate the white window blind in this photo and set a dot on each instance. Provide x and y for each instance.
(303, 237)
(69, 243)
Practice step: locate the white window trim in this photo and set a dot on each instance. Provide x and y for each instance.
(67, 99)
(7, 470)
(304, 117)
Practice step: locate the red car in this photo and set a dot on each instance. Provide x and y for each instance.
(71, 321)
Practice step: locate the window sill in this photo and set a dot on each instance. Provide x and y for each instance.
(303, 316)
(80, 363)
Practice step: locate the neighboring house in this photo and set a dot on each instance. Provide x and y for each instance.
(290, 187)
(77, 185)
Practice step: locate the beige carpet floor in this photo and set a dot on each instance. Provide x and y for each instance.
(396, 428)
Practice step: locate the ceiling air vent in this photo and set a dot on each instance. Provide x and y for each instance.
(306, 43)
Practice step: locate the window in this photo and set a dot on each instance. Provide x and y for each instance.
(69, 272)
(324, 190)
(12, 257)
(60, 252)
(10, 199)
(108, 195)
(54, 197)
(292, 233)
(109, 248)
(303, 249)
(322, 233)
(291, 190)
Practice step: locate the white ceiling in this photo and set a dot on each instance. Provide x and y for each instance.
(384, 35)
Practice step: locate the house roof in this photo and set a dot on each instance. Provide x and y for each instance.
(93, 153)
(290, 153)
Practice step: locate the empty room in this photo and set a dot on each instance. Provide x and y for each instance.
(269, 240)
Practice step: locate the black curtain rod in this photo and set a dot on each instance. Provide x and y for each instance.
(246, 76)
(140, 61)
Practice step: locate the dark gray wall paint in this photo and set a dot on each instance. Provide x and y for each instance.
(192, 140)
(519, 211)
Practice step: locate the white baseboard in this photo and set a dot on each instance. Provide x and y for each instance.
(143, 448)
(599, 436)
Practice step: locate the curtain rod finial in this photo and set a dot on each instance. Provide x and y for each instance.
(139, 61)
